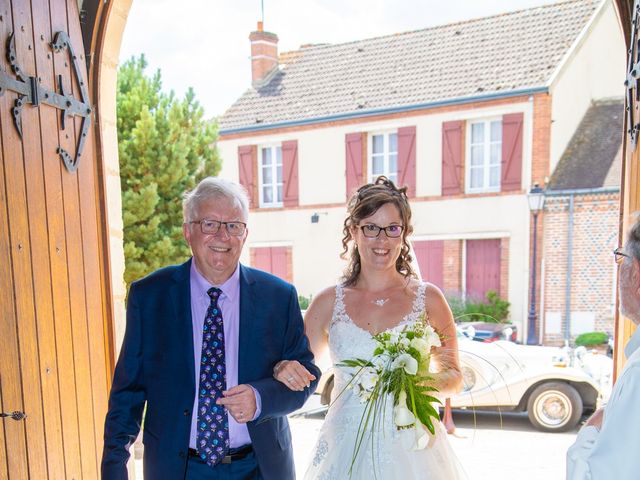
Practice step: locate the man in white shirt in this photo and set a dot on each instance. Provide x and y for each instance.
(608, 446)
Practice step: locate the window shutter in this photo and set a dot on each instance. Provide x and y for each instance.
(452, 148)
(511, 152)
(248, 165)
(354, 161)
(290, 173)
(407, 159)
(262, 258)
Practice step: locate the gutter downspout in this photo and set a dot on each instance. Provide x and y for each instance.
(569, 271)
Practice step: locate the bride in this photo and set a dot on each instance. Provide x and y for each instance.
(379, 293)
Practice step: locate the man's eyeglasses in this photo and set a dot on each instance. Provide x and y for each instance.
(619, 255)
(209, 227)
(372, 231)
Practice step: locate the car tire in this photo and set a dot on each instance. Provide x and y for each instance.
(554, 407)
(325, 395)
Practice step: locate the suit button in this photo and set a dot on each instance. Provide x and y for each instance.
(186, 413)
(181, 454)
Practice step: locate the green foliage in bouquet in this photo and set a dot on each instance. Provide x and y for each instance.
(398, 371)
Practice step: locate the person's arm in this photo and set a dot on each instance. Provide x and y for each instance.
(316, 323)
(609, 453)
(276, 398)
(447, 377)
(127, 397)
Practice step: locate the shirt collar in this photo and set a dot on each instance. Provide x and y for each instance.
(230, 288)
(633, 344)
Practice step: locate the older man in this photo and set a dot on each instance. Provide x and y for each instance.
(201, 342)
(608, 446)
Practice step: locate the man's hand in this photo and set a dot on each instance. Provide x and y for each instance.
(596, 419)
(240, 402)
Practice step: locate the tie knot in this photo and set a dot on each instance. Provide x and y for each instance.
(214, 293)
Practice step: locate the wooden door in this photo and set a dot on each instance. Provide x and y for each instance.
(430, 256)
(482, 268)
(53, 289)
(275, 260)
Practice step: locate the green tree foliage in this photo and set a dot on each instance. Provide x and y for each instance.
(165, 147)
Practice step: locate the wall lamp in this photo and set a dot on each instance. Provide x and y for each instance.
(315, 217)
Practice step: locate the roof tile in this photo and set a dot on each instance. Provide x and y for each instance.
(512, 51)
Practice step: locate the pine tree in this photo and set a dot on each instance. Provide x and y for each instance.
(165, 147)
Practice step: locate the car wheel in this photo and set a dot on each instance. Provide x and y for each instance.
(325, 396)
(554, 407)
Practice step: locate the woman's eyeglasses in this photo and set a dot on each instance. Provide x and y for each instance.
(372, 231)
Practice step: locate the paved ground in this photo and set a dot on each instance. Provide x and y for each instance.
(490, 446)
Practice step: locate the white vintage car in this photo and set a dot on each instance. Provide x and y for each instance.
(555, 386)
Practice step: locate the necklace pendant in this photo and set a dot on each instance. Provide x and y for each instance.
(380, 301)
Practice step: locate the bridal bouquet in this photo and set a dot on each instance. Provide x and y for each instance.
(399, 369)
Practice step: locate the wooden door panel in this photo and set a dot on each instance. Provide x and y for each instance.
(55, 268)
(482, 268)
(54, 311)
(430, 257)
(20, 394)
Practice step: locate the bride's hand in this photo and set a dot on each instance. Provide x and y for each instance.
(293, 375)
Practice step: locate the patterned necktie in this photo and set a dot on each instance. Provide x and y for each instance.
(213, 426)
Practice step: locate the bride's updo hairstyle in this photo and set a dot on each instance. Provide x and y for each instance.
(364, 203)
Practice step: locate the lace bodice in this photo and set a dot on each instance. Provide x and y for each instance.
(348, 340)
(386, 453)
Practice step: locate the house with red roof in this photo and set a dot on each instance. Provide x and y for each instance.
(470, 116)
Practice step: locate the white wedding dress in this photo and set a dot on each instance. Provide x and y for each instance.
(387, 455)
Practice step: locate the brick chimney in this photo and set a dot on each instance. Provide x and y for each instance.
(264, 56)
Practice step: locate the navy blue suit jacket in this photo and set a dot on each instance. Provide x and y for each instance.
(156, 367)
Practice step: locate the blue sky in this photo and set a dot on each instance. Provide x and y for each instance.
(204, 44)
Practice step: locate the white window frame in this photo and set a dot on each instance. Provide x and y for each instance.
(386, 153)
(274, 175)
(486, 165)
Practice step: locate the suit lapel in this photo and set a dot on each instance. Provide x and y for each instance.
(248, 301)
(181, 299)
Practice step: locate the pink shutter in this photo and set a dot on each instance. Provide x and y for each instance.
(407, 159)
(262, 258)
(430, 257)
(511, 152)
(279, 262)
(483, 267)
(247, 162)
(354, 161)
(452, 148)
(290, 173)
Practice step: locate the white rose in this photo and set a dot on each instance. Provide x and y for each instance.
(404, 341)
(421, 345)
(432, 337)
(393, 338)
(368, 379)
(407, 362)
(380, 361)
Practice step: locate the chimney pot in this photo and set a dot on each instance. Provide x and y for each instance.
(264, 55)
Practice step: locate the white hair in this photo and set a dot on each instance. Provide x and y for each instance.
(212, 188)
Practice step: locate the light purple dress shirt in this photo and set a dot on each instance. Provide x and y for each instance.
(229, 303)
